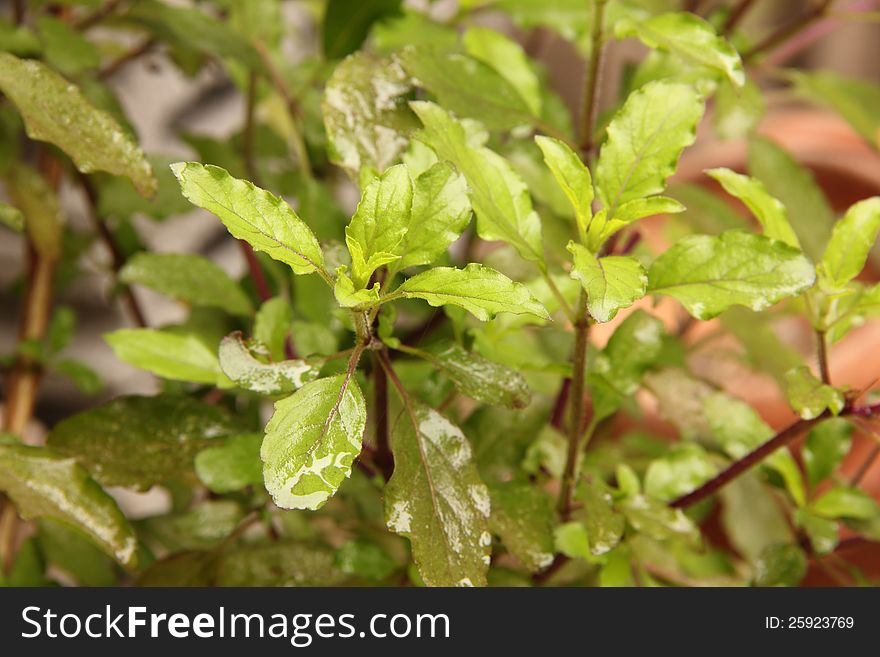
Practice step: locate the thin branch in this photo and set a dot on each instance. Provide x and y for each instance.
(859, 474)
(822, 357)
(591, 83)
(116, 256)
(786, 32)
(18, 11)
(557, 417)
(126, 58)
(383, 458)
(736, 15)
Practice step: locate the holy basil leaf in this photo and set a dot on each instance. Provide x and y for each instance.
(509, 59)
(645, 140)
(468, 87)
(781, 565)
(11, 217)
(845, 503)
(826, 446)
(686, 467)
(572, 176)
(824, 533)
(252, 214)
(280, 563)
(202, 527)
(56, 111)
(603, 523)
(809, 397)
(346, 26)
(480, 290)
(45, 484)
(380, 222)
(66, 49)
(851, 241)
(794, 185)
(477, 377)
(658, 521)
(611, 282)
(365, 559)
(440, 212)
(312, 440)
(366, 113)
(169, 355)
(232, 466)
(767, 210)
(709, 274)
(187, 277)
(601, 228)
(239, 362)
(162, 432)
(500, 197)
(349, 295)
(522, 516)
(691, 38)
(436, 498)
(272, 325)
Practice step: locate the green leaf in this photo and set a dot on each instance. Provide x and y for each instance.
(440, 212)
(232, 466)
(853, 310)
(61, 329)
(281, 563)
(45, 484)
(508, 59)
(56, 111)
(348, 295)
(169, 355)
(645, 140)
(69, 550)
(480, 290)
(845, 503)
(570, 539)
(794, 185)
(658, 521)
(272, 325)
(809, 397)
(601, 228)
(366, 113)
(611, 282)
(162, 432)
(781, 565)
(380, 222)
(84, 377)
(767, 210)
(201, 528)
(851, 241)
(709, 274)
(11, 217)
(239, 362)
(572, 176)
(436, 499)
(345, 27)
(691, 38)
(188, 277)
(684, 469)
(522, 516)
(603, 523)
(468, 87)
(499, 196)
(38, 203)
(826, 446)
(823, 533)
(477, 377)
(312, 440)
(66, 49)
(751, 518)
(365, 559)
(252, 214)
(853, 99)
(19, 40)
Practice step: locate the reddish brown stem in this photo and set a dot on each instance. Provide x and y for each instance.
(383, 458)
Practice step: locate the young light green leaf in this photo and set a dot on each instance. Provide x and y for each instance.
(522, 516)
(440, 212)
(601, 228)
(572, 176)
(480, 290)
(709, 274)
(853, 310)
(679, 472)
(311, 441)
(508, 59)
(348, 295)
(252, 214)
(603, 523)
(645, 140)
(809, 397)
(164, 432)
(366, 113)
(187, 277)
(826, 446)
(768, 210)
(611, 282)
(436, 498)
(658, 521)
(232, 466)
(845, 503)
(499, 196)
(11, 217)
(824, 533)
(54, 110)
(169, 355)
(853, 99)
(794, 185)
(477, 377)
(239, 362)
(468, 87)
(380, 222)
(691, 38)
(45, 484)
(851, 241)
